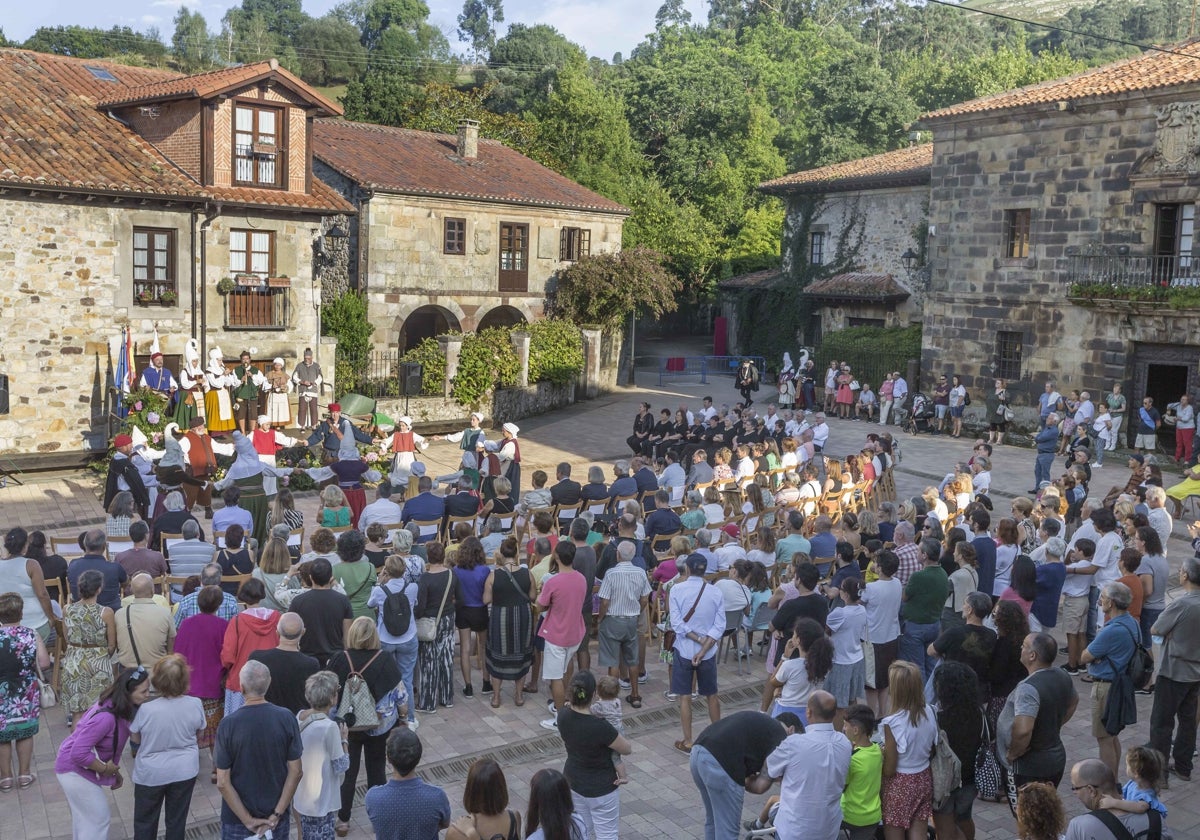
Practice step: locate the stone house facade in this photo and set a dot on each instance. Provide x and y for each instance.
(456, 233)
(126, 197)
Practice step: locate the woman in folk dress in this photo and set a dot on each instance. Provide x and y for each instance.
(218, 407)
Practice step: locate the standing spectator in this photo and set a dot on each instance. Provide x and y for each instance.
(1094, 782)
(1050, 577)
(326, 614)
(356, 575)
(808, 603)
(861, 807)
(585, 562)
(882, 598)
(407, 807)
(1029, 730)
(725, 759)
(957, 691)
(485, 797)
(145, 631)
(1185, 429)
(924, 596)
(1158, 517)
(394, 584)
(1107, 656)
(199, 642)
(561, 600)
(697, 613)
(324, 760)
(908, 553)
(93, 544)
(1178, 682)
(847, 627)
(1006, 668)
(807, 661)
(589, 741)
(288, 666)
(1040, 813)
(86, 670)
(1046, 441)
(624, 593)
(994, 405)
(471, 573)
(22, 656)
(1153, 574)
(909, 733)
(258, 761)
(168, 758)
(811, 767)
(1147, 422)
(248, 631)
(551, 814)
(969, 643)
(435, 659)
(88, 759)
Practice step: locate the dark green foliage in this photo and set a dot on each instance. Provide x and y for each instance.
(90, 42)
(555, 351)
(871, 351)
(605, 289)
(346, 320)
(331, 51)
(433, 365)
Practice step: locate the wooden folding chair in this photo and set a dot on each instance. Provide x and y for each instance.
(661, 544)
(619, 502)
(169, 540)
(429, 529)
(66, 548)
(218, 538)
(451, 521)
(295, 539)
(115, 547)
(564, 515)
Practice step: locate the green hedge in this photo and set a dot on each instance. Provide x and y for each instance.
(871, 352)
(555, 352)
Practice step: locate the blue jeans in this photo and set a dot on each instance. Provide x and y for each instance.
(1093, 612)
(237, 831)
(914, 639)
(406, 661)
(723, 797)
(1149, 616)
(1042, 468)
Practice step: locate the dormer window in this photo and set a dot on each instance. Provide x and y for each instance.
(257, 142)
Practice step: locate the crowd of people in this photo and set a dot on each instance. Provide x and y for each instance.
(909, 663)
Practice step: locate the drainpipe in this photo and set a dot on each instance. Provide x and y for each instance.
(192, 262)
(211, 213)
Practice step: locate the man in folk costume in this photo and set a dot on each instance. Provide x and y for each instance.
(267, 443)
(307, 379)
(350, 471)
(510, 459)
(171, 470)
(247, 381)
(248, 473)
(277, 386)
(123, 475)
(201, 452)
(218, 407)
(328, 434)
(159, 378)
(193, 383)
(403, 446)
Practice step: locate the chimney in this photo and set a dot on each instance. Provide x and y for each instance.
(468, 139)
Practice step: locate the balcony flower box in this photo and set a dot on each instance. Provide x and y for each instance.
(279, 282)
(249, 280)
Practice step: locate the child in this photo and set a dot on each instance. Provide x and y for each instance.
(1144, 766)
(861, 808)
(608, 707)
(766, 817)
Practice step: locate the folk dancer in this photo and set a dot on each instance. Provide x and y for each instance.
(160, 379)
(350, 471)
(248, 473)
(143, 459)
(470, 466)
(248, 379)
(510, 459)
(171, 470)
(267, 443)
(277, 386)
(193, 383)
(307, 379)
(123, 475)
(328, 435)
(218, 407)
(466, 438)
(201, 451)
(403, 446)
(787, 382)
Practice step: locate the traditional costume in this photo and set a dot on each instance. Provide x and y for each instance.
(248, 472)
(218, 407)
(510, 459)
(489, 468)
(171, 470)
(329, 437)
(245, 385)
(143, 459)
(307, 379)
(123, 475)
(469, 465)
(194, 383)
(787, 382)
(277, 387)
(467, 437)
(267, 443)
(201, 451)
(160, 379)
(403, 446)
(350, 470)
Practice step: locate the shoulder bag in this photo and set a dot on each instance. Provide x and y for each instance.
(427, 627)
(669, 635)
(1120, 832)
(48, 698)
(129, 626)
(357, 706)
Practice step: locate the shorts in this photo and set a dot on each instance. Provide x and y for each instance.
(956, 411)
(847, 683)
(1145, 442)
(474, 619)
(885, 655)
(1099, 701)
(618, 641)
(555, 660)
(1075, 611)
(706, 676)
(998, 426)
(940, 411)
(959, 803)
(907, 798)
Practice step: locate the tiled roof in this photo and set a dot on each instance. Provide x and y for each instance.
(207, 85)
(1151, 70)
(411, 162)
(322, 197)
(908, 166)
(855, 286)
(753, 280)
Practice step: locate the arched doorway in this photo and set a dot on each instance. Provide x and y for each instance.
(426, 322)
(502, 316)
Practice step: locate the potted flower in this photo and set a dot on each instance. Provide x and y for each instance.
(282, 281)
(168, 298)
(225, 285)
(145, 297)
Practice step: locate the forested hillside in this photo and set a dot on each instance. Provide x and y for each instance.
(682, 129)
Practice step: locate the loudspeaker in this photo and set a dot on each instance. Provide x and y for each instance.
(3, 393)
(410, 379)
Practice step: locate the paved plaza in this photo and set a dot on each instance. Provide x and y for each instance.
(660, 800)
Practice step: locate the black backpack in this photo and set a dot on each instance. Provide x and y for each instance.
(1140, 667)
(397, 613)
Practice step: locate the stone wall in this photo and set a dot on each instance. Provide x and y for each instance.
(1087, 173)
(508, 404)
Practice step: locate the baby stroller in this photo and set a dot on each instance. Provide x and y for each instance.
(920, 415)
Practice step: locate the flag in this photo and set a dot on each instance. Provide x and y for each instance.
(121, 379)
(130, 369)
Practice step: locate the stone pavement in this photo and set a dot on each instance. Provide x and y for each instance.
(591, 432)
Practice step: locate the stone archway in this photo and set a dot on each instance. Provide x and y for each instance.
(426, 322)
(502, 316)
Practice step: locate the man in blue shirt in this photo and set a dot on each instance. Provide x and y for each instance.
(985, 549)
(1107, 655)
(424, 506)
(93, 558)
(1047, 445)
(1048, 401)
(406, 808)
(623, 485)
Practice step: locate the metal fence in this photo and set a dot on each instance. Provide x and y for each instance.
(378, 378)
(676, 367)
(1134, 270)
(868, 362)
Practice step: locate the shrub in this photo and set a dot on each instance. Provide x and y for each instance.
(346, 320)
(433, 365)
(870, 351)
(487, 362)
(555, 351)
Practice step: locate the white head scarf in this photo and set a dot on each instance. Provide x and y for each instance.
(173, 456)
(347, 450)
(246, 464)
(787, 360)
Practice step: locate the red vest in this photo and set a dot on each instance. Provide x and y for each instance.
(403, 442)
(264, 442)
(516, 450)
(200, 455)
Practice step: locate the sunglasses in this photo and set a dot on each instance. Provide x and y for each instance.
(1076, 789)
(138, 675)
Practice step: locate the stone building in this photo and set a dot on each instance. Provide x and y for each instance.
(847, 229)
(456, 233)
(126, 195)
(1061, 233)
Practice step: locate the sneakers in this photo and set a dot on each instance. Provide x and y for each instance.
(468, 691)
(551, 708)
(643, 679)
(487, 687)
(626, 685)
(752, 825)
(549, 723)
(414, 725)
(1074, 672)
(1064, 649)
(671, 696)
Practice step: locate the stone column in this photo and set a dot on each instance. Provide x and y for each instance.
(451, 348)
(520, 343)
(591, 363)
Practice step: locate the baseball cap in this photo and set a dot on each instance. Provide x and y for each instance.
(697, 564)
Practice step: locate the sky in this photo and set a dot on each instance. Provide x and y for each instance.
(602, 27)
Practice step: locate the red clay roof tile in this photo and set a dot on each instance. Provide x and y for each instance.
(855, 286)
(422, 163)
(910, 165)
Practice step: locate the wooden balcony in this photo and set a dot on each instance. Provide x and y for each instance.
(258, 308)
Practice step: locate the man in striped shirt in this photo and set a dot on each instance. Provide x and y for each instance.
(908, 553)
(623, 597)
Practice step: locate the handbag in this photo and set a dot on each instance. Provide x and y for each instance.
(1008, 414)
(987, 767)
(357, 706)
(427, 627)
(48, 698)
(669, 635)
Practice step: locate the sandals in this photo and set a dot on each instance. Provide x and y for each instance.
(683, 746)
(341, 829)
(6, 784)
(495, 704)
(25, 781)
(636, 702)
(519, 700)
(1087, 678)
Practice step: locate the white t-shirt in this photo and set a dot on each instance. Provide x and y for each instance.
(957, 394)
(168, 751)
(882, 601)
(737, 596)
(848, 625)
(767, 558)
(913, 742)
(1108, 552)
(319, 791)
(1005, 555)
(796, 687)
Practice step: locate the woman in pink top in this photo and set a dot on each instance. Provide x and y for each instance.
(88, 759)
(199, 642)
(1023, 587)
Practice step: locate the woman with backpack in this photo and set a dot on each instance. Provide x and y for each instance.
(509, 590)
(393, 598)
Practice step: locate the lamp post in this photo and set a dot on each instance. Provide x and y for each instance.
(910, 258)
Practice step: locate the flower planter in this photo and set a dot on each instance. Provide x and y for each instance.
(249, 280)
(279, 282)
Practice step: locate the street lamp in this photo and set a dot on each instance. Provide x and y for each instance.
(910, 258)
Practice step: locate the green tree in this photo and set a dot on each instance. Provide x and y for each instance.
(191, 43)
(90, 42)
(605, 289)
(523, 65)
(477, 25)
(331, 52)
(672, 13)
